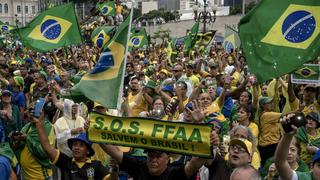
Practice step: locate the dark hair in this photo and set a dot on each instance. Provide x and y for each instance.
(157, 98)
(297, 144)
(249, 95)
(248, 109)
(129, 63)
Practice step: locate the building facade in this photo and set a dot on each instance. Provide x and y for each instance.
(147, 6)
(18, 11)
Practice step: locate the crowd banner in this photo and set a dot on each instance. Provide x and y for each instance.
(175, 137)
(307, 74)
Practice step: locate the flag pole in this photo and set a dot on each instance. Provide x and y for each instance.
(124, 64)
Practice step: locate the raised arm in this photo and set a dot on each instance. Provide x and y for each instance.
(113, 151)
(52, 152)
(291, 94)
(282, 151)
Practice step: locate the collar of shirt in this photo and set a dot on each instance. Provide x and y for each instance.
(81, 164)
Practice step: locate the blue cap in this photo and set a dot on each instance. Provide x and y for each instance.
(168, 88)
(57, 78)
(316, 156)
(29, 60)
(83, 138)
(46, 60)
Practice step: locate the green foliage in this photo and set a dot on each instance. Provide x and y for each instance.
(166, 15)
(163, 34)
(136, 13)
(250, 6)
(238, 9)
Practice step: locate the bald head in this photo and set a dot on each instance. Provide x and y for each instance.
(246, 172)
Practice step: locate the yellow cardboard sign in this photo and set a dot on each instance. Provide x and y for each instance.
(175, 137)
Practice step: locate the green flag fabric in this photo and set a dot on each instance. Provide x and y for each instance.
(54, 28)
(101, 35)
(279, 40)
(191, 37)
(138, 39)
(107, 8)
(102, 84)
(231, 39)
(302, 136)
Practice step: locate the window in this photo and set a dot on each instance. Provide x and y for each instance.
(6, 9)
(26, 10)
(18, 9)
(33, 9)
(0, 8)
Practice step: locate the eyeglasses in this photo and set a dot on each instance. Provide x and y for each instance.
(238, 149)
(175, 70)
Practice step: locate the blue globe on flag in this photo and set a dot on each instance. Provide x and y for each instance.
(106, 61)
(135, 41)
(298, 26)
(104, 10)
(100, 40)
(5, 27)
(50, 29)
(228, 46)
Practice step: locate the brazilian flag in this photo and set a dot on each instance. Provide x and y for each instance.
(138, 39)
(191, 37)
(103, 83)
(54, 28)
(231, 39)
(107, 8)
(101, 35)
(279, 36)
(5, 27)
(308, 73)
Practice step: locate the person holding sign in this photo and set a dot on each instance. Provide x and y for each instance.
(156, 165)
(78, 167)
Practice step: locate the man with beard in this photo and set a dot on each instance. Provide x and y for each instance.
(136, 98)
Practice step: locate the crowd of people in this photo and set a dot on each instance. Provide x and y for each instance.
(207, 86)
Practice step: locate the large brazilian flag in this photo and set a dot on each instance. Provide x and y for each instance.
(103, 83)
(279, 36)
(54, 28)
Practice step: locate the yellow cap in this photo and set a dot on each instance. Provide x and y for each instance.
(243, 143)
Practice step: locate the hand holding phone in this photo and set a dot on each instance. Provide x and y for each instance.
(38, 107)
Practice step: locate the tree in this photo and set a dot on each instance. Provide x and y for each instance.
(163, 34)
(250, 6)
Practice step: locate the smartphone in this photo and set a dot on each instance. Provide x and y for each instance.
(38, 107)
(226, 141)
(227, 79)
